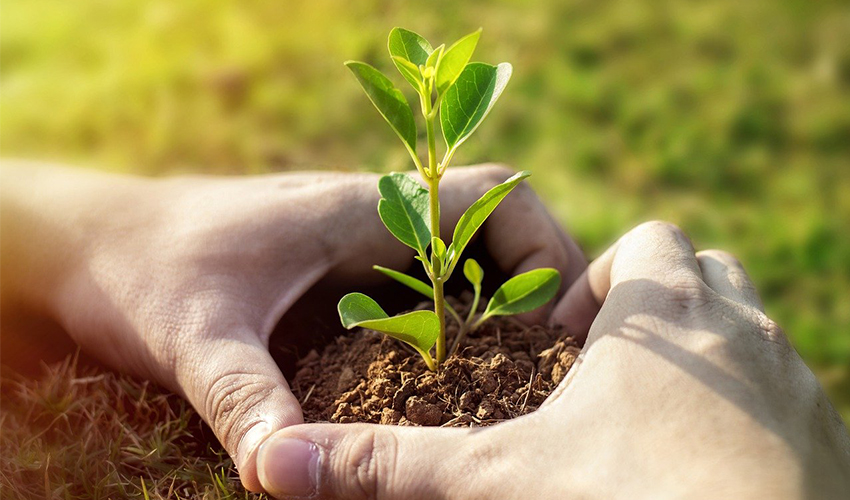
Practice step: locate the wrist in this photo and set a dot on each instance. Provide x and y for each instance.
(54, 220)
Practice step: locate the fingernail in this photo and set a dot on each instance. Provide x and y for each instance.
(289, 467)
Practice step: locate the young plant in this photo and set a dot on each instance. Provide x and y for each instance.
(462, 93)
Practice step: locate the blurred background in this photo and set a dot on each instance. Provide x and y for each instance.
(729, 118)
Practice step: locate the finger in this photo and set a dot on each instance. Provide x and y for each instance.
(574, 253)
(571, 269)
(725, 275)
(578, 308)
(520, 234)
(654, 252)
(352, 461)
(238, 390)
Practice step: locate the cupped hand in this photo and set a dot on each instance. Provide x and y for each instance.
(684, 389)
(182, 280)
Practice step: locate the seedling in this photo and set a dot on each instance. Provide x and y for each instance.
(462, 93)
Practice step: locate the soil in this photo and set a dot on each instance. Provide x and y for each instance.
(501, 371)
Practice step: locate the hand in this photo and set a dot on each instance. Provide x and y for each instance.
(684, 389)
(182, 280)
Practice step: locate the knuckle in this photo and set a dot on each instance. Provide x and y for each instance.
(720, 256)
(743, 324)
(685, 297)
(688, 292)
(230, 405)
(496, 172)
(770, 331)
(657, 234)
(367, 462)
(743, 283)
(491, 174)
(657, 227)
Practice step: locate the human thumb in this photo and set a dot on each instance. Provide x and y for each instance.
(352, 461)
(237, 388)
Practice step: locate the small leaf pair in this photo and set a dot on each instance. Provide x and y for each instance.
(520, 294)
(523, 293)
(405, 212)
(412, 54)
(463, 92)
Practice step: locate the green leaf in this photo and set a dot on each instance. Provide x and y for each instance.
(409, 46)
(438, 247)
(355, 308)
(438, 256)
(434, 58)
(409, 71)
(389, 100)
(468, 101)
(454, 60)
(473, 272)
(450, 253)
(405, 211)
(478, 212)
(418, 328)
(409, 281)
(525, 292)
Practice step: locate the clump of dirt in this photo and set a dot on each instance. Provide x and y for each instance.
(501, 371)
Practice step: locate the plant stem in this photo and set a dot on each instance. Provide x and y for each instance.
(478, 323)
(461, 333)
(464, 327)
(446, 159)
(439, 299)
(474, 308)
(432, 148)
(429, 361)
(434, 203)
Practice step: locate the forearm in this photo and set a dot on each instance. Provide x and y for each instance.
(52, 220)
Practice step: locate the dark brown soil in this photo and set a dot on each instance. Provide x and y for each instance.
(502, 371)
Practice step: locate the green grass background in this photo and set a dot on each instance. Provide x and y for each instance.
(729, 118)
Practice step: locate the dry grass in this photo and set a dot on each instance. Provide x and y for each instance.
(83, 433)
